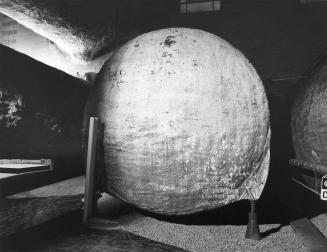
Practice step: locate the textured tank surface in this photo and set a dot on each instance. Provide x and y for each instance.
(186, 122)
(309, 119)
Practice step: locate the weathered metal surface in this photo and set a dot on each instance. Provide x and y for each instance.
(309, 119)
(186, 122)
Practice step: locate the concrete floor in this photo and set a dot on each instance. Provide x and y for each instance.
(219, 230)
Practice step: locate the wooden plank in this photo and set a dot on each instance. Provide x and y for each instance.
(309, 235)
(19, 214)
(24, 165)
(19, 169)
(16, 183)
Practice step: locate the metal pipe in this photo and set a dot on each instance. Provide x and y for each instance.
(305, 186)
(90, 166)
(315, 167)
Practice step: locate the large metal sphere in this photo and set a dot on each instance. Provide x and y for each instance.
(186, 122)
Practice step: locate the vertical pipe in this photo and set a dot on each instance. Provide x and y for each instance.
(90, 165)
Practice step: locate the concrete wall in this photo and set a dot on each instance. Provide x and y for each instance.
(26, 41)
(41, 112)
(281, 38)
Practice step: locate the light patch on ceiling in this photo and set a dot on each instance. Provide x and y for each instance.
(191, 6)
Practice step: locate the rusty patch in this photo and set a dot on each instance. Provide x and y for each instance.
(165, 54)
(195, 63)
(170, 40)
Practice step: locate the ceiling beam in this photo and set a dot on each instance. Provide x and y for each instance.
(68, 24)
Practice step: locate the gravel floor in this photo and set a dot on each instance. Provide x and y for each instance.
(216, 238)
(213, 237)
(222, 238)
(204, 235)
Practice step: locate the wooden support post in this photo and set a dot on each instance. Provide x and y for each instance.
(90, 198)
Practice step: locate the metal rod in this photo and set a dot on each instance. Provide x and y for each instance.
(305, 186)
(90, 165)
(319, 168)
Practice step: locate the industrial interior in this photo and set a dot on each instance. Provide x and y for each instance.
(163, 125)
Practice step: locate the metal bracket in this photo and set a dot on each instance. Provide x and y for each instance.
(90, 198)
(318, 170)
